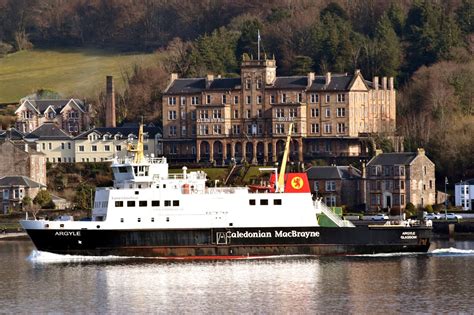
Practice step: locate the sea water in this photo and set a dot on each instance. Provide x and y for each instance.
(38, 282)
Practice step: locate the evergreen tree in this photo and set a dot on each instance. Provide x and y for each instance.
(465, 16)
(302, 65)
(431, 35)
(397, 18)
(389, 56)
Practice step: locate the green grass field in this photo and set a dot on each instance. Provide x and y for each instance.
(73, 72)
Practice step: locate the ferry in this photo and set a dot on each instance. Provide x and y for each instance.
(149, 212)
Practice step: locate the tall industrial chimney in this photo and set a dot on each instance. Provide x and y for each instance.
(110, 105)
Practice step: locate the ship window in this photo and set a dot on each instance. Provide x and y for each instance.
(264, 202)
(277, 202)
(139, 220)
(231, 224)
(122, 169)
(131, 203)
(157, 186)
(252, 202)
(121, 220)
(164, 185)
(98, 226)
(46, 225)
(175, 203)
(136, 192)
(61, 225)
(142, 203)
(167, 219)
(152, 219)
(167, 203)
(119, 203)
(155, 203)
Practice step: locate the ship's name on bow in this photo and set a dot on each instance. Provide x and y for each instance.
(281, 234)
(67, 233)
(408, 236)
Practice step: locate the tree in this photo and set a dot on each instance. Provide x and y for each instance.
(465, 16)
(390, 51)
(44, 200)
(83, 197)
(397, 18)
(302, 65)
(431, 35)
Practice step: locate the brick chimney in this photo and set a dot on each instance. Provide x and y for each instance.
(421, 151)
(110, 105)
(390, 83)
(384, 83)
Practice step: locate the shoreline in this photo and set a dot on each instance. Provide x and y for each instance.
(15, 236)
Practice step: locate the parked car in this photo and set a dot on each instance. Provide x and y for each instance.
(451, 216)
(433, 216)
(380, 217)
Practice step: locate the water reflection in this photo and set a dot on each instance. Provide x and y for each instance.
(435, 282)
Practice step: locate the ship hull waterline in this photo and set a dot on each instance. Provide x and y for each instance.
(232, 243)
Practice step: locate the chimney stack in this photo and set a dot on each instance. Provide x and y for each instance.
(209, 79)
(328, 78)
(310, 79)
(110, 106)
(376, 82)
(384, 83)
(390, 83)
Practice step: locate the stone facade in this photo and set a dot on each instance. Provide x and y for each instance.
(22, 160)
(395, 179)
(247, 118)
(71, 115)
(336, 185)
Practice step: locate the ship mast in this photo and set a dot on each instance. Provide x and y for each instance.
(281, 178)
(138, 148)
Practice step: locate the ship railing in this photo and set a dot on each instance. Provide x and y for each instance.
(148, 159)
(318, 204)
(224, 190)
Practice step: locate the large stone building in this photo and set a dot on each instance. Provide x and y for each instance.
(395, 179)
(72, 115)
(219, 119)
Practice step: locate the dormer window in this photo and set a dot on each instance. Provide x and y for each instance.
(51, 115)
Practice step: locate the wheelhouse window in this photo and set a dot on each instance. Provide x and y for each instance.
(175, 203)
(167, 203)
(252, 202)
(155, 203)
(264, 202)
(118, 204)
(142, 203)
(131, 203)
(277, 202)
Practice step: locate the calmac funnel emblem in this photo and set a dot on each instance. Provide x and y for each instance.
(297, 182)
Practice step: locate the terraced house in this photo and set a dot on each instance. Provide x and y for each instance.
(247, 118)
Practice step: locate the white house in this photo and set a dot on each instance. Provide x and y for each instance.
(464, 194)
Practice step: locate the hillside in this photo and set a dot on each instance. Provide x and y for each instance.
(70, 72)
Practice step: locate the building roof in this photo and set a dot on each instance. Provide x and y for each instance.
(19, 181)
(124, 131)
(11, 134)
(338, 82)
(57, 105)
(333, 172)
(48, 131)
(466, 182)
(396, 158)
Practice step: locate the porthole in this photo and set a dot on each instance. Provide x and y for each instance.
(121, 220)
(152, 219)
(167, 219)
(61, 225)
(98, 226)
(139, 220)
